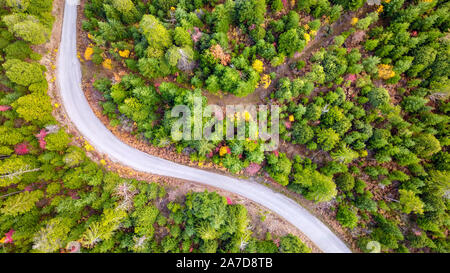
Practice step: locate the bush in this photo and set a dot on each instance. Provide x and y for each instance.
(364, 202)
(279, 167)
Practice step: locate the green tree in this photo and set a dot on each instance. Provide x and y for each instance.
(250, 12)
(10, 136)
(154, 67)
(18, 50)
(204, 147)
(333, 66)
(289, 42)
(317, 187)
(335, 13)
(317, 74)
(350, 4)
(53, 236)
(123, 5)
(364, 201)
(277, 5)
(387, 233)
(347, 217)
(181, 37)
(323, 189)
(344, 154)
(209, 207)
(173, 55)
(213, 84)
(292, 244)
(414, 104)
(223, 16)
(302, 133)
(74, 156)
(279, 167)
(313, 112)
(145, 218)
(104, 228)
(14, 168)
(367, 21)
(426, 145)
(20, 203)
(378, 96)
(17, 5)
(380, 138)
(57, 141)
(370, 64)
(424, 56)
(346, 182)
(284, 90)
(292, 20)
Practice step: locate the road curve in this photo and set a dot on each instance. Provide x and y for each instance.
(82, 116)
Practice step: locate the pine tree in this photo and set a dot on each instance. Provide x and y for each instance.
(21, 203)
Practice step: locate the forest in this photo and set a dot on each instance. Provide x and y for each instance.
(54, 198)
(363, 90)
(362, 86)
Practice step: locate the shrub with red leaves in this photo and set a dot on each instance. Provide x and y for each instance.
(21, 149)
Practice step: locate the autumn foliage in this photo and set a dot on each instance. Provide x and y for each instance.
(218, 53)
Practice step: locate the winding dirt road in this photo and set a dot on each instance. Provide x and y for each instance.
(84, 119)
